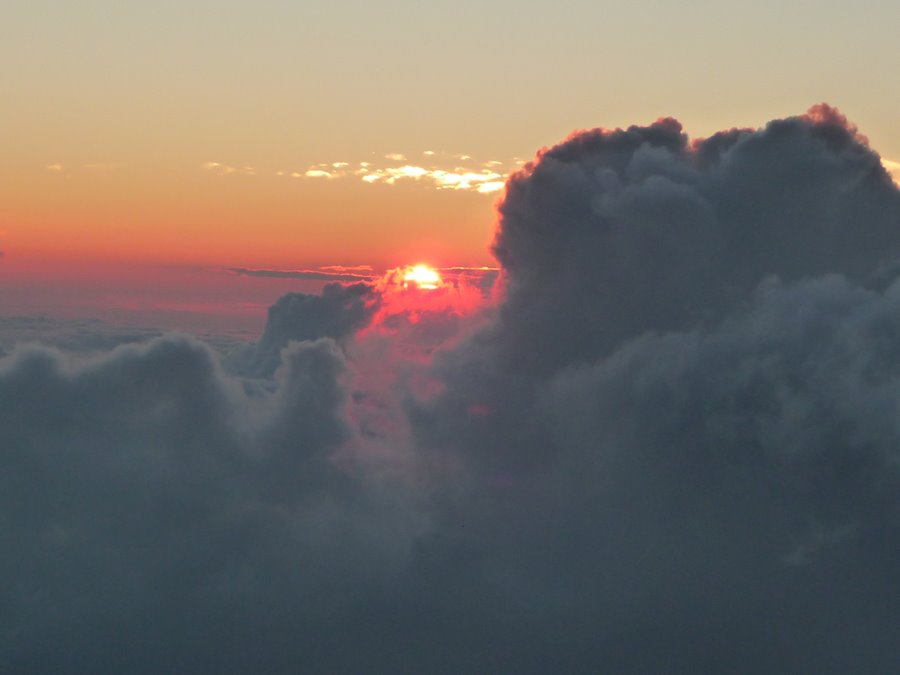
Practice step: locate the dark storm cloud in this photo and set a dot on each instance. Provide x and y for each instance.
(672, 447)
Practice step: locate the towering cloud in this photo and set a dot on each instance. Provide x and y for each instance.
(670, 447)
(680, 434)
(613, 233)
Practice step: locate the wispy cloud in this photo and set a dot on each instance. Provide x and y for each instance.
(348, 268)
(356, 273)
(224, 169)
(328, 273)
(320, 173)
(85, 167)
(443, 172)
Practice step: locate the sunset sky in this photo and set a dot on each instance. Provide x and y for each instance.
(196, 133)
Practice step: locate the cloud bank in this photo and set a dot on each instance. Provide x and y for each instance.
(669, 445)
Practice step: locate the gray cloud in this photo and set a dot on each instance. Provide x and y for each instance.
(680, 432)
(71, 335)
(616, 233)
(337, 313)
(148, 503)
(671, 447)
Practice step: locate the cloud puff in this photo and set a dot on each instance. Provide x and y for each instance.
(614, 233)
(671, 445)
(337, 313)
(148, 504)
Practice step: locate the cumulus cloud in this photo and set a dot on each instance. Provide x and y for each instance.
(337, 313)
(146, 505)
(614, 233)
(668, 445)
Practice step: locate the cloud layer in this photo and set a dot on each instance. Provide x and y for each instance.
(669, 446)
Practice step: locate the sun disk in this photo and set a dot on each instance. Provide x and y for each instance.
(422, 276)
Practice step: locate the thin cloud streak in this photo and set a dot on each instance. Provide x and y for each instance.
(331, 273)
(486, 178)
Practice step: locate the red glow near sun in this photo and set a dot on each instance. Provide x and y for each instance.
(411, 294)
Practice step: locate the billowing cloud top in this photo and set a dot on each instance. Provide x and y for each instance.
(671, 445)
(614, 233)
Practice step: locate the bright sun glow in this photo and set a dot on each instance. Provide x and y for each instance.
(422, 276)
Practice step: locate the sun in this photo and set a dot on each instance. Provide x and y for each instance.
(422, 277)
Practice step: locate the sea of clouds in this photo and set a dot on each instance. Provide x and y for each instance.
(667, 441)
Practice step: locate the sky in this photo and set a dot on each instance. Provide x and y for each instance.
(182, 133)
(638, 415)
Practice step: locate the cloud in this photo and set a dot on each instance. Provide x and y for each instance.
(226, 169)
(330, 273)
(85, 336)
(319, 173)
(615, 233)
(668, 445)
(442, 172)
(684, 408)
(155, 499)
(337, 313)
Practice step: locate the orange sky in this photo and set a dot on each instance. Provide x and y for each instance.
(191, 133)
(202, 217)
